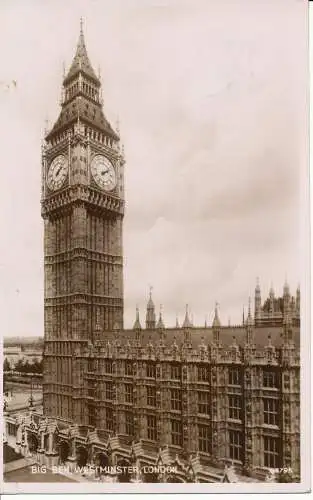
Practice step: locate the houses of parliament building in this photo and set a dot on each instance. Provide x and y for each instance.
(208, 404)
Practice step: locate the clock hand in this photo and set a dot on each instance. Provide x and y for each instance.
(104, 171)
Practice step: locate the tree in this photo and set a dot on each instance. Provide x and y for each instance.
(285, 476)
(27, 367)
(6, 365)
(19, 366)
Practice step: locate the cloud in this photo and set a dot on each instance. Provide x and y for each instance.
(212, 118)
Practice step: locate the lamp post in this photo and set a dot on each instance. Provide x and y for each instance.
(31, 392)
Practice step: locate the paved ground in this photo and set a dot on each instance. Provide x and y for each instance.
(25, 475)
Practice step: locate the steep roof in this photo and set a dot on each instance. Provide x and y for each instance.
(199, 334)
(87, 112)
(81, 61)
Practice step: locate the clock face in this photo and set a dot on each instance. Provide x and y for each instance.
(103, 172)
(57, 173)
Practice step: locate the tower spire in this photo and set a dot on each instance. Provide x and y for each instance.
(81, 60)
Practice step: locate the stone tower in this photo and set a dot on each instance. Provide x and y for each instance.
(82, 208)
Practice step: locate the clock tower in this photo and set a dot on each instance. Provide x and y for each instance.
(82, 207)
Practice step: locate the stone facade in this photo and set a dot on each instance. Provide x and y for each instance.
(271, 312)
(82, 238)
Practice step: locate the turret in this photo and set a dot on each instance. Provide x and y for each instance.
(150, 316)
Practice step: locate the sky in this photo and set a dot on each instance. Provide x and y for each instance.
(212, 104)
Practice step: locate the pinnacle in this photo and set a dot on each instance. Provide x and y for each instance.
(160, 322)
(187, 322)
(216, 320)
(137, 325)
(150, 304)
(249, 319)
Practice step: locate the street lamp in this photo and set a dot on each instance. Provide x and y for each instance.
(31, 392)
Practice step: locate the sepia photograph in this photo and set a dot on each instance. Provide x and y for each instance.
(155, 262)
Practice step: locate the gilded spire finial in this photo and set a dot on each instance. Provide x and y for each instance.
(81, 25)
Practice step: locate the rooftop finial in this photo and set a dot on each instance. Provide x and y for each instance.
(81, 25)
